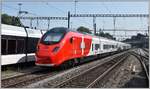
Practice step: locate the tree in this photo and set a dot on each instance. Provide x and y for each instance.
(139, 40)
(84, 30)
(102, 34)
(106, 35)
(6, 19)
(11, 20)
(109, 36)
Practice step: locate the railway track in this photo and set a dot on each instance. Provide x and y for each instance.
(29, 78)
(92, 76)
(146, 52)
(142, 54)
(20, 73)
(26, 79)
(144, 62)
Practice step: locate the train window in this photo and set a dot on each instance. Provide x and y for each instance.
(106, 46)
(71, 39)
(53, 36)
(32, 43)
(96, 46)
(110, 46)
(20, 46)
(124, 47)
(92, 47)
(11, 46)
(3, 47)
(113, 46)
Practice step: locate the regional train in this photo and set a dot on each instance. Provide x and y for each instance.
(61, 45)
(18, 44)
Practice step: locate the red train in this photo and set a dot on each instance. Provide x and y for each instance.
(60, 45)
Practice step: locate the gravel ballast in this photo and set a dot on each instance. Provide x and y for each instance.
(129, 75)
(52, 81)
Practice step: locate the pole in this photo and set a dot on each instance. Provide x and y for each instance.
(114, 22)
(148, 29)
(48, 23)
(94, 25)
(99, 40)
(37, 24)
(30, 23)
(75, 6)
(19, 12)
(69, 19)
(26, 46)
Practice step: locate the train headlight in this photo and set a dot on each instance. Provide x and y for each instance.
(55, 49)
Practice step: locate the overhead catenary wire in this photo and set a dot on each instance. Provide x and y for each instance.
(114, 18)
(65, 12)
(16, 9)
(106, 7)
(55, 7)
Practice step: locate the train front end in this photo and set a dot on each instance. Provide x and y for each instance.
(49, 47)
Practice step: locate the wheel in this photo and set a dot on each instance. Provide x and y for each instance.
(64, 65)
(71, 63)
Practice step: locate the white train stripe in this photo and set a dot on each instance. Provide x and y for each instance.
(17, 58)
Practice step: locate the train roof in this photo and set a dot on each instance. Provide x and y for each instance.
(36, 33)
(102, 38)
(20, 31)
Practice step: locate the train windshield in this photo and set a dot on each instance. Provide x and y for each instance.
(53, 36)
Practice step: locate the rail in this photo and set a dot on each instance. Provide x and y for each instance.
(92, 75)
(142, 61)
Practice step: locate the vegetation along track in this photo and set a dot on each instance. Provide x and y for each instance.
(89, 77)
(28, 78)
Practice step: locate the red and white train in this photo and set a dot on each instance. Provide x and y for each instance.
(60, 45)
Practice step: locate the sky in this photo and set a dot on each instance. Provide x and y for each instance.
(61, 9)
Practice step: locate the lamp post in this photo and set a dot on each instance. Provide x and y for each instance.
(75, 6)
(20, 4)
(20, 11)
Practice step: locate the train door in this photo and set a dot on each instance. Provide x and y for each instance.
(76, 46)
(71, 48)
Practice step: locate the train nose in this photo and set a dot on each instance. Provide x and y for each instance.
(43, 60)
(43, 56)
